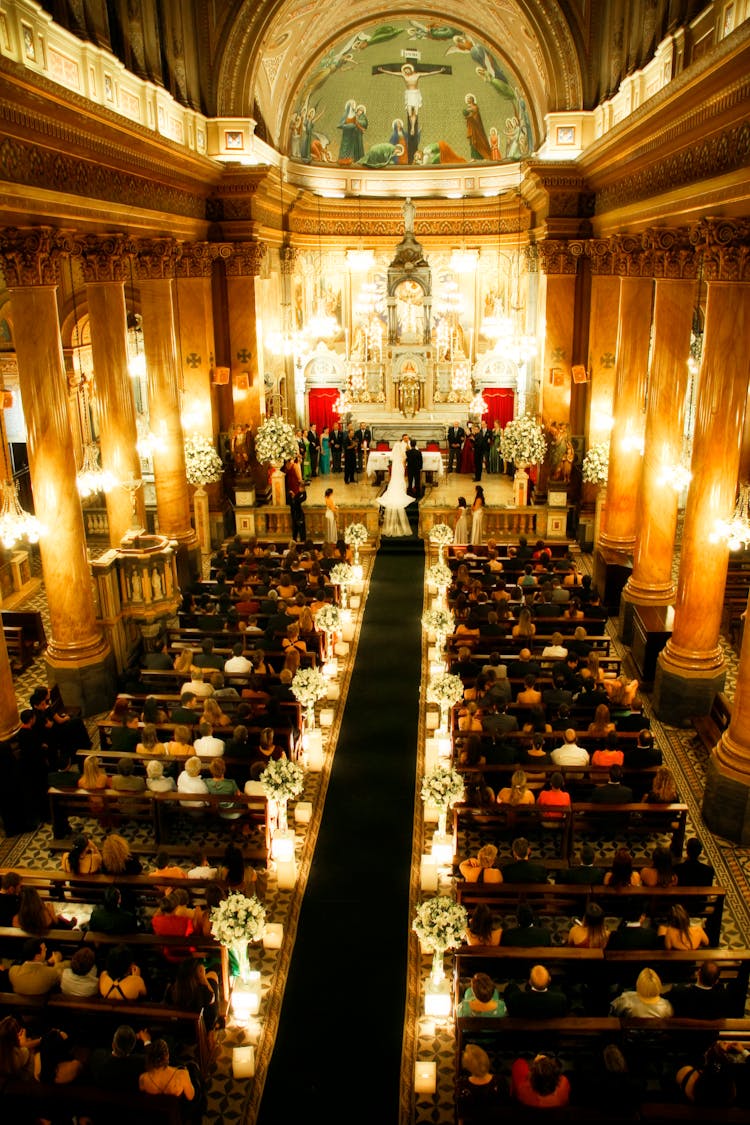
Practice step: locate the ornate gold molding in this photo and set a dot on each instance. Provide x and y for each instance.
(32, 256)
(724, 246)
(246, 259)
(287, 257)
(560, 255)
(196, 259)
(105, 258)
(156, 258)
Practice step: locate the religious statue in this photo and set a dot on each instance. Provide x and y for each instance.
(409, 212)
(562, 452)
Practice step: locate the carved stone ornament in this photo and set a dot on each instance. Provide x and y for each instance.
(32, 257)
(246, 259)
(196, 259)
(106, 257)
(156, 258)
(725, 248)
(559, 255)
(287, 258)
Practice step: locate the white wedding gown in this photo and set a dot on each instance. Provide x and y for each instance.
(396, 499)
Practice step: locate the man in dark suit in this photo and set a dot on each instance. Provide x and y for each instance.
(456, 435)
(526, 934)
(496, 721)
(414, 470)
(546, 607)
(314, 443)
(613, 792)
(521, 869)
(523, 666)
(364, 440)
(480, 440)
(350, 456)
(586, 872)
(635, 930)
(634, 719)
(537, 1000)
(336, 441)
(645, 753)
(705, 999)
(159, 659)
(557, 694)
(691, 872)
(187, 710)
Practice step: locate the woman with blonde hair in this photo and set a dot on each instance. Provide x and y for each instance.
(183, 661)
(117, 858)
(525, 626)
(517, 793)
(180, 746)
(481, 868)
(92, 775)
(663, 788)
(213, 714)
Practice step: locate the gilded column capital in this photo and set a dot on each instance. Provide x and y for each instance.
(105, 258)
(32, 256)
(156, 258)
(668, 254)
(724, 247)
(628, 258)
(246, 259)
(287, 258)
(599, 253)
(560, 255)
(196, 259)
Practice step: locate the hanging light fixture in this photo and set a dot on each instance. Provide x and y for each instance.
(137, 360)
(15, 523)
(91, 478)
(735, 532)
(321, 325)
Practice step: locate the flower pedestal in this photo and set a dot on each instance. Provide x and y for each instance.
(599, 510)
(442, 843)
(437, 998)
(278, 487)
(202, 520)
(521, 487)
(245, 985)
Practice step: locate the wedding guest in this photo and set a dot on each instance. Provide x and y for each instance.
(16, 1050)
(679, 933)
(84, 858)
(480, 1094)
(660, 871)
(591, 932)
(81, 977)
(480, 929)
(539, 1083)
(121, 980)
(160, 1077)
(156, 781)
(646, 1001)
(55, 1061)
(117, 858)
(481, 998)
(518, 792)
(110, 917)
(481, 868)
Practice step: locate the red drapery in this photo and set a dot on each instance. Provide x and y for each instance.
(500, 402)
(320, 407)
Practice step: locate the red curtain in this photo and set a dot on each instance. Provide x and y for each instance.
(499, 405)
(320, 407)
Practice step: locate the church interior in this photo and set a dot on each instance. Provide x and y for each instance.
(216, 217)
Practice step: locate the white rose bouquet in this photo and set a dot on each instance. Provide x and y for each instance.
(328, 618)
(443, 788)
(439, 620)
(238, 919)
(342, 574)
(309, 685)
(202, 462)
(441, 534)
(446, 689)
(440, 923)
(439, 575)
(282, 779)
(523, 441)
(355, 534)
(595, 468)
(275, 441)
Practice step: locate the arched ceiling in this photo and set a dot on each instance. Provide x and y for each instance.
(272, 48)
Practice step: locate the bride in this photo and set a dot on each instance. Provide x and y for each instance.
(396, 499)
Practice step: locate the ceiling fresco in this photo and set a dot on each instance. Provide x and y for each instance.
(408, 92)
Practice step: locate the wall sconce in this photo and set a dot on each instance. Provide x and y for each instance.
(425, 1077)
(243, 1062)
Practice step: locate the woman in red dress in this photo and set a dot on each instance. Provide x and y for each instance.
(467, 452)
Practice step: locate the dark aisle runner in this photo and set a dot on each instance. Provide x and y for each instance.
(337, 1055)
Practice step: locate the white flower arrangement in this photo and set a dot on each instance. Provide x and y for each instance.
(595, 469)
(440, 923)
(275, 441)
(355, 534)
(439, 620)
(439, 575)
(342, 574)
(328, 618)
(308, 686)
(446, 689)
(202, 462)
(523, 442)
(238, 919)
(282, 779)
(441, 534)
(443, 788)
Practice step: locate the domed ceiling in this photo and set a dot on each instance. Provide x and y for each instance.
(502, 67)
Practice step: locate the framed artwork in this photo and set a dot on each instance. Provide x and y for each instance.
(578, 371)
(233, 139)
(109, 90)
(557, 376)
(566, 134)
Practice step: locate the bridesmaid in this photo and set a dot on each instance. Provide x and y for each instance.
(461, 526)
(496, 462)
(325, 452)
(477, 516)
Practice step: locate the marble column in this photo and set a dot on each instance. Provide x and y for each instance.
(690, 668)
(625, 457)
(9, 717)
(605, 303)
(155, 268)
(105, 264)
(78, 656)
(651, 581)
(242, 269)
(195, 336)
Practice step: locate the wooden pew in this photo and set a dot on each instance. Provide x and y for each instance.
(632, 819)
(517, 820)
(24, 1102)
(709, 728)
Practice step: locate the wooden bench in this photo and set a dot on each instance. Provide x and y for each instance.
(637, 818)
(517, 820)
(709, 728)
(571, 899)
(26, 1102)
(17, 651)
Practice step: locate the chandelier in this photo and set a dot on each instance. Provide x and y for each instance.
(342, 404)
(735, 532)
(478, 404)
(91, 477)
(15, 522)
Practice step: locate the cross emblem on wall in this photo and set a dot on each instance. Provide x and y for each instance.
(193, 360)
(244, 356)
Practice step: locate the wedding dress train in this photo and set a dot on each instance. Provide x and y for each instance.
(396, 499)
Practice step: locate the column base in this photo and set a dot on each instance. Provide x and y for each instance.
(629, 599)
(726, 803)
(90, 685)
(680, 693)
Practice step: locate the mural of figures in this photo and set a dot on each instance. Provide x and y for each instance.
(439, 69)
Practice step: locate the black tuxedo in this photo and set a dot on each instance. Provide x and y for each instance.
(481, 450)
(350, 458)
(414, 472)
(314, 441)
(456, 435)
(363, 439)
(528, 1004)
(336, 442)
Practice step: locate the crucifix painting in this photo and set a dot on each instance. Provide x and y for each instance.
(411, 73)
